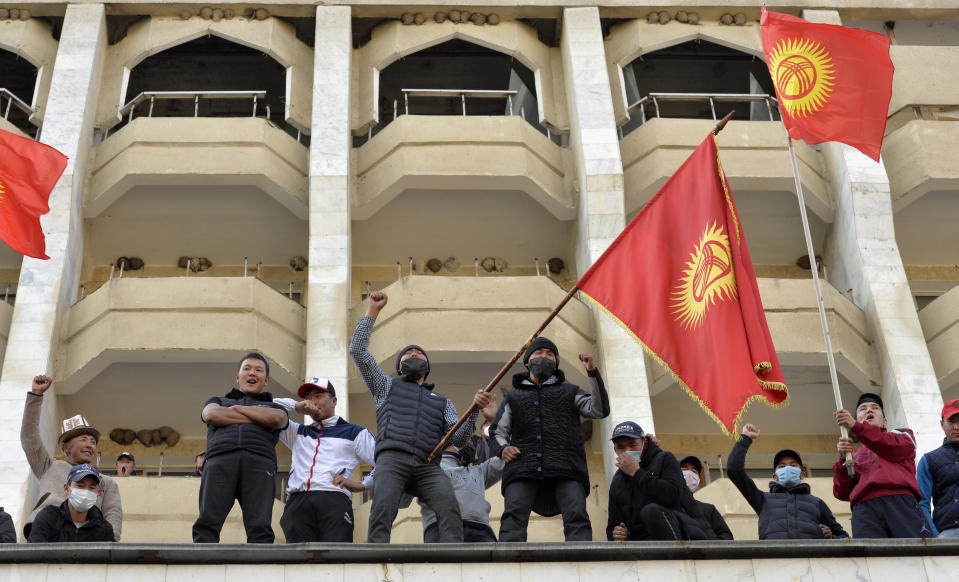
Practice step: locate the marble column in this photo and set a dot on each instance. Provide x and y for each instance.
(328, 294)
(862, 255)
(47, 288)
(599, 180)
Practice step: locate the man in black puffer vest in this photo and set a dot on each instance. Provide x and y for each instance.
(411, 419)
(243, 428)
(538, 428)
(938, 477)
(789, 510)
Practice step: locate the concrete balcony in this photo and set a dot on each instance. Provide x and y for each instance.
(461, 153)
(940, 325)
(919, 158)
(7, 126)
(182, 320)
(171, 151)
(6, 316)
(475, 317)
(793, 319)
(754, 155)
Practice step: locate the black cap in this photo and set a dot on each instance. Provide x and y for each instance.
(538, 344)
(870, 397)
(126, 455)
(627, 429)
(408, 348)
(786, 453)
(78, 472)
(694, 461)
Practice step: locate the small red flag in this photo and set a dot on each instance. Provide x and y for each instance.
(28, 172)
(680, 280)
(833, 83)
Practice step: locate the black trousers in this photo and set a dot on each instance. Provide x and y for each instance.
(890, 516)
(317, 516)
(398, 472)
(242, 476)
(473, 532)
(570, 498)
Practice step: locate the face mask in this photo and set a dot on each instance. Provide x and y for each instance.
(414, 368)
(788, 476)
(638, 455)
(82, 499)
(542, 368)
(692, 480)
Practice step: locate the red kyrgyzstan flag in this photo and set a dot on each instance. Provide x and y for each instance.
(680, 281)
(28, 172)
(833, 83)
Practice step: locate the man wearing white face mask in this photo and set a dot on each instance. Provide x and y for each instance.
(77, 519)
(789, 510)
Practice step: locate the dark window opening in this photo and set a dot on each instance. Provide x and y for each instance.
(698, 69)
(19, 79)
(458, 66)
(205, 65)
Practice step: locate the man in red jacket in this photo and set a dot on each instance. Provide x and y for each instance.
(883, 493)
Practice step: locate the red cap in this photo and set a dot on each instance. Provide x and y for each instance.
(316, 382)
(950, 409)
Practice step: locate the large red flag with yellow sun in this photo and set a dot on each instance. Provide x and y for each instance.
(28, 172)
(833, 83)
(680, 280)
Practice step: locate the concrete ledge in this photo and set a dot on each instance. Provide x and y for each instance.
(120, 553)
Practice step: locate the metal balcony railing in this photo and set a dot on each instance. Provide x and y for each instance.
(463, 95)
(128, 111)
(11, 101)
(711, 98)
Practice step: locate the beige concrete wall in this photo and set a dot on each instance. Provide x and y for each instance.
(163, 509)
(199, 151)
(32, 40)
(6, 316)
(630, 40)
(925, 75)
(940, 326)
(793, 318)
(470, 314)
(465, 152)
(755, 156)
(183, 313)
(393, 41)
(158, 33)
(920, 157)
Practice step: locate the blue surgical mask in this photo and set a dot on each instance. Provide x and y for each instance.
(788, 476)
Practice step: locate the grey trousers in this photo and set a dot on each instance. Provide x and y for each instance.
(398, 472)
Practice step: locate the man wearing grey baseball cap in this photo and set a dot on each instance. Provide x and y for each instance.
(77, 519)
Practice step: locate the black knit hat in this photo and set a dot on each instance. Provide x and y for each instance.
(870, 397)
(399, 356)
(538, 344)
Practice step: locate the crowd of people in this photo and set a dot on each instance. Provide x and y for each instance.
(532, 443)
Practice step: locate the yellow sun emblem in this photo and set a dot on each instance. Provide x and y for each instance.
(803, 73)
(708, 278)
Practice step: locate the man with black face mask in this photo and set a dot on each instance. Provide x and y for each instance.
(410, 420)
(538, 428)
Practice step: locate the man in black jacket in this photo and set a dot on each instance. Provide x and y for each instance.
(789, 510)
(8, 534)
(538, 428)
(243, 428)
(77, 519)
(648, 498)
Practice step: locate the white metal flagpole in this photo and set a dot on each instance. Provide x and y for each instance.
(814, 265)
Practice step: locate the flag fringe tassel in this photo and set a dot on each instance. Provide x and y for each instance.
(745, 408)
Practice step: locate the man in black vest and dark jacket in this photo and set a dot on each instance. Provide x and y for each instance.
(538, 428)
(411, 420)
(243, 428)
